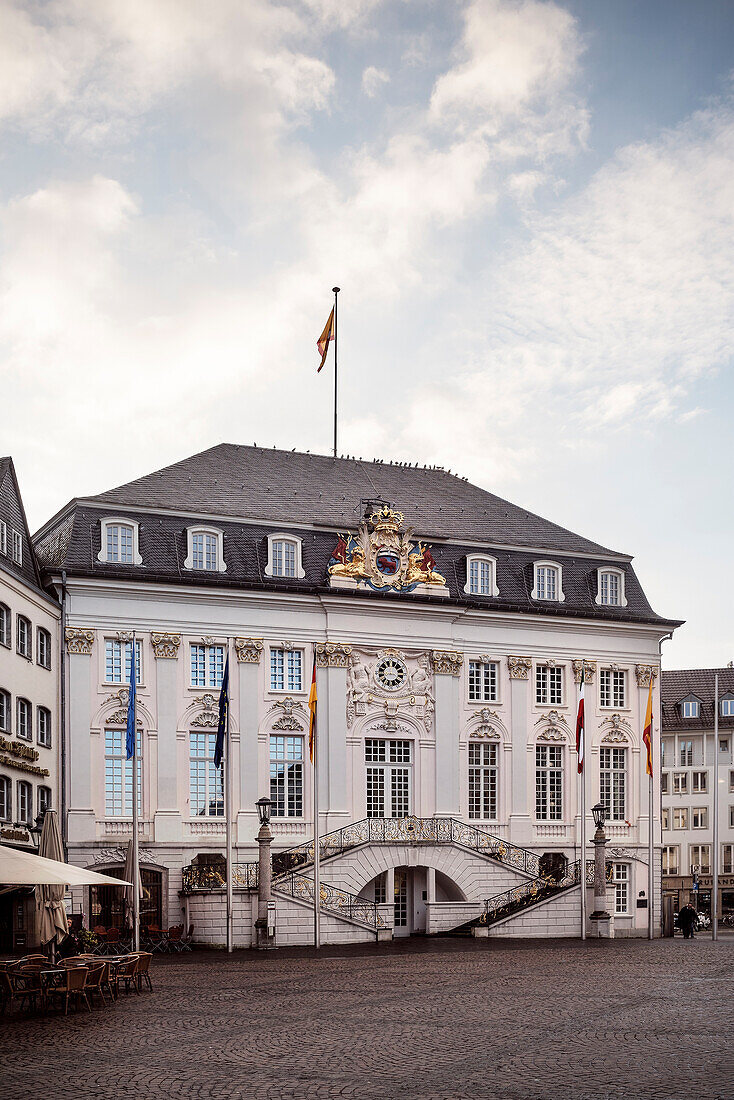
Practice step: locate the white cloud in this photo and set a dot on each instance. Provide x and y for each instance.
(373, 80)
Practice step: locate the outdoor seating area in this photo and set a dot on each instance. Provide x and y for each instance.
(34, 984)
(161, 941)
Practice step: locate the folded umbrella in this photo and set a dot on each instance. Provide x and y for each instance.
(18, 868)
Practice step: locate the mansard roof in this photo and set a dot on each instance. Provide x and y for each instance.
(250, 493)
(680, 684)
(12, 513)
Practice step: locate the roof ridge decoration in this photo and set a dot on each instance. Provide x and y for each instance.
(386, 558)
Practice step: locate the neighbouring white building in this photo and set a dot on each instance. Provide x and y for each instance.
(29, 702)
(687, 786)
(449, 629)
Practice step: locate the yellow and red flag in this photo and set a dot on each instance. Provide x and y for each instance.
(312, 710)
(647, 731)
(323, 341)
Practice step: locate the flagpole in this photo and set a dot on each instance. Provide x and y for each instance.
(228, 819)
(136, 859)
(715, 831)
(651, 834)
(316, 846)
(583, 844)
(336, 291)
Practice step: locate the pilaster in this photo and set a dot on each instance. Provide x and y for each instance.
(332, 660)
(446, 666)
(248, 652)
(81, 824)
(168, 822)
(520, 821)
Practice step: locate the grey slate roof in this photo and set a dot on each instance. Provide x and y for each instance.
(291, 487)
(283, 489)
(13, 514)
(679, 684)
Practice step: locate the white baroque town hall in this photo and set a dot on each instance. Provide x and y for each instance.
(449, 629)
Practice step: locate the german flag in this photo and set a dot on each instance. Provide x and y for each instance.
(323, 341)
(647, 731)
(312, 710)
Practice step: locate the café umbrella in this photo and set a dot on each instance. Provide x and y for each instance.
(19, 868)
(132, 874)
(53, 924)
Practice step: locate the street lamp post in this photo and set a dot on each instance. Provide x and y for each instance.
(600, 914)
(265, 876)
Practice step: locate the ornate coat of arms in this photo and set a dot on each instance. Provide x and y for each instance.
(385, 558)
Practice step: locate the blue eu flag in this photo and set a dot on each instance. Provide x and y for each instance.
(223, 708)
(130, 740)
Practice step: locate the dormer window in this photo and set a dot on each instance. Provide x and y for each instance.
(690, 708)
(548, 582)
(120, 542)
(610, 588)
(284, 557)
(726, 706)
(481, 575)
(205, 550)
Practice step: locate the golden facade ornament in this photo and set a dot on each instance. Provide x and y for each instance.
(447, 662)
(165, 646)
(385, 558)
(333, 655)
(79, 640)
(643, 674)
(248, 650)
(519, 667)
(589, 670)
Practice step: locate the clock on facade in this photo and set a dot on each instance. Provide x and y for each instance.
(391, 673)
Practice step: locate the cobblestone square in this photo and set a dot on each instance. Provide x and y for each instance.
(435, 1019)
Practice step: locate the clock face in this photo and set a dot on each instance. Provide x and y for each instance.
(391, 673)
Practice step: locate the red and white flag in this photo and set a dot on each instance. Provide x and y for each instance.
(580, 724)
(324, 340)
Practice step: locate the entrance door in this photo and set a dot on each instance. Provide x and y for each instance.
(402, 910)
(107, 905)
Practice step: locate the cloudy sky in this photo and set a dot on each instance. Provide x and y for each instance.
(528, 207)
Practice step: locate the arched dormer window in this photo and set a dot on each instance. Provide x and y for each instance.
(204, 550)
(481, 575)
(284, 557)
(610, 587)
(119, 542)
(548, 582)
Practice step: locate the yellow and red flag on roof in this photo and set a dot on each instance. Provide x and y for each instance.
(647, 731)
(312, 711)
(324, 339)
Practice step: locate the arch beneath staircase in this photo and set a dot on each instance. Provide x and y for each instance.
(376, 859)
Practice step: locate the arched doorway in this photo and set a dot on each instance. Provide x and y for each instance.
(107, 903)
(411, 889)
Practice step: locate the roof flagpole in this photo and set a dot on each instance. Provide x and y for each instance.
(336, 292)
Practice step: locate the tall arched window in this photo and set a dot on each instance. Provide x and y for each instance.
(284, 557)
(481, 575)
(548, 582)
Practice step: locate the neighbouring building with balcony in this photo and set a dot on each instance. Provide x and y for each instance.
(29, 701)
(449, 629)
(689, 755)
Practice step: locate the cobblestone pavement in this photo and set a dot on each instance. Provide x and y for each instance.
(432, 1019)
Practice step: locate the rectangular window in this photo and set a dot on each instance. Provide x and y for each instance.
(284, 558)
(680, 818)
(724, 744)
(664, 819)
(44, 799)
(17, 548)
(4, 625)
(4, 712)
(482, 682)
(690, 709)
(206, 783)
(388, 776)
(117, 661)
(727, 708)
(381, 889)
(207, 665)
(23, 635)
(731, 817)
(25, 802)
(731, 781)
(120, 543)
(612, 688)
(701, 858)
(3, 537)
(480, 578)
(43, 648)
(118, 774)
(609, 589)
(699, 817)
(482, 781)
(204, 551)
(621, 881)
(286, 670)
(44, 727)
(670, 859)
(5, 798)
(613, 782)
(680, 782)
(699, 782)
(549, 685)
(286, 776)
(549, 782)
(727, 859)
(24, 727)
(685, 749)
(663, 782)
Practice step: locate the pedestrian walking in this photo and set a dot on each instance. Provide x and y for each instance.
(687, 921)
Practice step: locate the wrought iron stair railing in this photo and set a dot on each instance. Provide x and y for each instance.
(520, 897)
(331, 899)
(373, 830)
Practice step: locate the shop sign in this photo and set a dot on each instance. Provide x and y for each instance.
(20, 836)
(22, 757)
